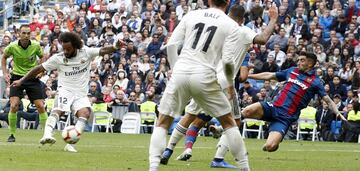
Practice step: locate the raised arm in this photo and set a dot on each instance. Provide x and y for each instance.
(263, 76)
(333, 107)
(264, 36)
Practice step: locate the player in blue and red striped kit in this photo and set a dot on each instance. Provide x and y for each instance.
(301, 85)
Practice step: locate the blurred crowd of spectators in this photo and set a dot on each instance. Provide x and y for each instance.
(330, 29)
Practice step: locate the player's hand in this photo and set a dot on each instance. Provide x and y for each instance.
(273, 12)
(231, 92)
(41, 74)
(251, 65)
(119, 44)
(7, 78)
(16, 83)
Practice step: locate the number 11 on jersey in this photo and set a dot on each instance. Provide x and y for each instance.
(200, 28)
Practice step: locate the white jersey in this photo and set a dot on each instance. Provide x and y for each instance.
(207, 36)
(74, 73)
(242, 46)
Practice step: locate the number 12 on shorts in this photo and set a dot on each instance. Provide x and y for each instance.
(63, 100)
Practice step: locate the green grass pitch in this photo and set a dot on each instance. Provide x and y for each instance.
(101, 151)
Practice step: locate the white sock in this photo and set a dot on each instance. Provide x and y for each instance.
(157, 146)
(80, 124)
(237, 147)
(50, 124)
(178, 133)
(222, 148)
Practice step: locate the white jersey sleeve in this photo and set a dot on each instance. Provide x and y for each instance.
(93, 52)
(175, 40)
(242, 45)
(228, 54)
(52, 63)
(247, 34)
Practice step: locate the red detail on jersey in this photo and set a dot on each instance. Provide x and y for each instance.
(282, 97)
(300, 94)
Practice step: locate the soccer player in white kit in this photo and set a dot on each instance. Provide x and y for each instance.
(248, 37)
(207, 36)
(73, 66)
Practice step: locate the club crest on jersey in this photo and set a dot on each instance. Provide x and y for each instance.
(308, 79)
(65, 60)
(32, 58)
(83, 60)
(297, 82)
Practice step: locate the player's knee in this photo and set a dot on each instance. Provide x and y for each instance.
(84, 112)
(238, 122)
(40, 106)
(271, 147)
(14, 106)
(246, 112)
(187, 120)
(164, 121)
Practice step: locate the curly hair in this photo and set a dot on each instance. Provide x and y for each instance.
(71, 37)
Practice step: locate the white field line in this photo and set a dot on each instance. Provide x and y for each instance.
(144, 147)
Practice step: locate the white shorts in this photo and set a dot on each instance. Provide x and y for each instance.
(203, 88)
(66, 101)
(195, 109)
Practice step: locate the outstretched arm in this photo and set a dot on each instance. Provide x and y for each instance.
(264, 36)
(31, 74)
(111, 49)
(107, 50)
(263, 76)
(333, 107)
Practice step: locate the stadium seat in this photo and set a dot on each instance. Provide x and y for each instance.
(131, 123)
(102, 119)
(3, 102)
(147, 114)
(27, 124)
(118, 112)
(306, 121)
(259, 130)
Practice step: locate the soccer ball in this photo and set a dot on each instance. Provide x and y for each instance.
(71, 135)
